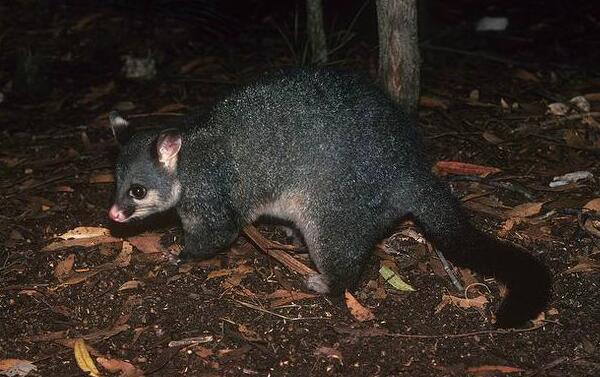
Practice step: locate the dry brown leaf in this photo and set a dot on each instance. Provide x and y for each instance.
(9, 162)
(487, 369)
(593, 205)
(558, 108)
(358, 311)
(84, 242)
(131, 284)
(477, 205)
(79, 277)
(16, 367)
(283, 297)
(124, 257)
(592, 97)
(474, 95)
(526, 209)
(575, 138)
(242, 269)
(85, 21)
(63, 189)
(237, 276)
(85, 232)
(329, 353)
(172, 107)
(433, 102)
(478, 302)
(490, 137)
(463, 168)
(102, 178)
(147, 243)
(6, 364)
(202, 352)
(65, 267)
(114, 365)
(97, 92)
(524, 75)
(508, 225)
(249, 334)
(584, 264)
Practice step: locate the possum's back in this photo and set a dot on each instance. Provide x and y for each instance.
(324, 125)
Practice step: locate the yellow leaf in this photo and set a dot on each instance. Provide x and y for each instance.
(394, 280)
(84, 361)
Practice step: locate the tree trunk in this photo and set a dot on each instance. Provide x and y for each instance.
(399, 62)
(316, 31)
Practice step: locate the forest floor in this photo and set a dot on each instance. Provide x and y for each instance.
(244, 312)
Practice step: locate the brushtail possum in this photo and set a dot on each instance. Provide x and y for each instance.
(327, 151)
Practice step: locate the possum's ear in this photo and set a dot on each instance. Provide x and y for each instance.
(168, 145)
(121, 129)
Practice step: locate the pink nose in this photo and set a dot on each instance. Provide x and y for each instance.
(116, 214)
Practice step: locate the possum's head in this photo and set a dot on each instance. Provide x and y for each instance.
(145, 173)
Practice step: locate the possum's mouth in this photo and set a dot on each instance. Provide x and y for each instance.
(119, 215)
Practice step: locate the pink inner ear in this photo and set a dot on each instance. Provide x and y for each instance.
(168, 146)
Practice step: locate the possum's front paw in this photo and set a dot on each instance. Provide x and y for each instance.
(318, 283)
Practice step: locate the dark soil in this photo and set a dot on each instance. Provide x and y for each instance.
(60, 74)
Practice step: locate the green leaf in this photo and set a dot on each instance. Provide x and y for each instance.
(394, 280)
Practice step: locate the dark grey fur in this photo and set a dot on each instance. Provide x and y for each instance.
(329, 152)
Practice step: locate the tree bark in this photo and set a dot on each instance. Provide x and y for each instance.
(399, 62)
(316, 31)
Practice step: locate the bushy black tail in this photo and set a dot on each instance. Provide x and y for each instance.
(445, 224)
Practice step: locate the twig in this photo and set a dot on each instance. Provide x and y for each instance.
(370, 333)
(145, 115)
(191, 341)
(504, 185)
(252, 306)
(232, 333)
(550, 365)
(569, 117)
(582, 221)
(270, 249)
(449, 270)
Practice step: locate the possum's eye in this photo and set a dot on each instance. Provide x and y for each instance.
(137, 192)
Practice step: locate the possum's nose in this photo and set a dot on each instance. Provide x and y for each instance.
(116, 214)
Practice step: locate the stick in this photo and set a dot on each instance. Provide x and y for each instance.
(379, 332)
(252, 306)
(270, 249)
(504, 185)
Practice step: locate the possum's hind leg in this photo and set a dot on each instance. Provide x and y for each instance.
(339, 254)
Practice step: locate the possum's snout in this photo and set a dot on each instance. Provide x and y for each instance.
(116, 214)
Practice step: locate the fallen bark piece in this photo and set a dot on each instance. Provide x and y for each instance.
(486, 370)
(357, 310)
(282, 257)
(463, 168)
(478, 302)
(115, 365)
